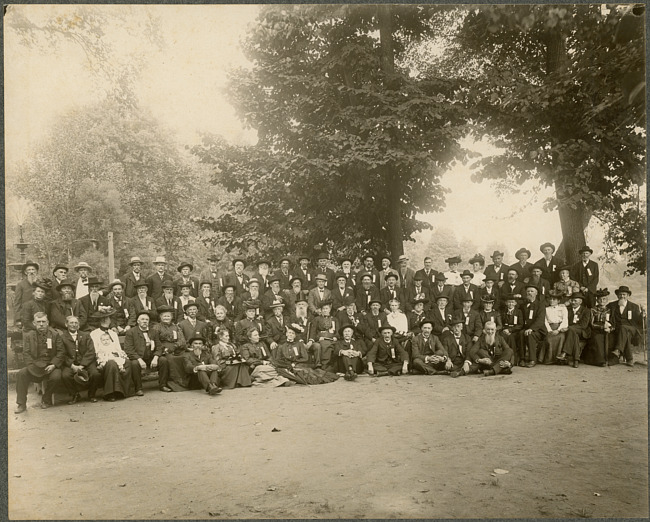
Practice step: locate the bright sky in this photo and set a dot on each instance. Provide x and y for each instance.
(183, 87)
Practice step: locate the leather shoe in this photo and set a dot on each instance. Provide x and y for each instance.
(110, 398)
(213, 390)
(487, 373)
(530, 364)
(45, 405)
(575, 364)
(629, 363)
(20, 408)
(522, 364)
(139, 393)
(506, 371)
(75, 399)
(166, 389)
(457, 373)
(93, 399)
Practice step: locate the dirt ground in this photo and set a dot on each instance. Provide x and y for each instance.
(574, 443)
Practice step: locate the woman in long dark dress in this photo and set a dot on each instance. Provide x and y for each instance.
(232, 368)
(257, 357)
(597, 350)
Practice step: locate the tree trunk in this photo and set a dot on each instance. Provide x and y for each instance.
(573, 221)
(393, 181)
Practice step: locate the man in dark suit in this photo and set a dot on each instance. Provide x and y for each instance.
(305, 273)
(318, 295)
(497, 269)
(440, 314)
(120, 303)
(167, 299)
(428, 274)
(390, 291)
(387, 356)
(416, 290)
(372, 321)
(466, 291)
(79, 368)
(272, 295)
(65, 305)
(471, 319)
(237, 278)
(534, 330)
(512, 287)
(585, 272)
(36, 304)
(457, 345)
(322, 260)
(366, 292)
(133, 276)
(141, 303)
(200, 364)
(284, 274)
(522, 265)
(24, 289)
(263, 274)
(185, 269)
(140, 349)
(206, 302)
(628, 319)
(490, 353)
(154, 281)
(542, 284)
(43, 358)
(211, 274)
(512, 321)
(369, 268)
(440, 288)
(276, 325)
(91, 303)
(428, 355)
(404, 273)
(231, 302)
(549, 263)
(340, 294)
(350, 276)
(60, 273)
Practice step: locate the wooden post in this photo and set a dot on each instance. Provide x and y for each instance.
(111, 259)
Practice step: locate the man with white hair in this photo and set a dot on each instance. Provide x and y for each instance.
(24, 289)
(155, 281)
(491, 354)
(83, 269)
(132, 277)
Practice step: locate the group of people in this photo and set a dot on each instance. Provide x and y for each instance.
(307, 325)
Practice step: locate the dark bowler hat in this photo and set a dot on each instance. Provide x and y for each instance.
(143, 312)
(98, 314)
(114, 283)
(204, 282)
(467, 273)
(138, 284)
(45, 284)
(341, 275)
(184, 284)
(491, 278)
(322, 255)
(30, 263)
(196, 336)
(565, 267)
(531, 285)
(65, 282)
(326, 303)
(273, 279)
(192, 303)
(225, 287)
(602, 292)
(293, 280)
(234, 261)
(184, 264)
(457, 319)
(263, 262)
(578, 295)
(295, 327)
(285, 259)
(364, 275)
(418, 276)
(375, 301)
(487, 299)
(167, 284)
(585, 249)
(349, 300)
(442, 296)
(59, 265)
(387, 327)
(303, 256)
(454, 259)
(279, 304)
(346, 259)
(301, 298)
(354, 330)
(510, 297)
(96, 281)
(544, 245)
(426, 321)
(391, 274)
(522, 251)
(440, 277)
(81, 377)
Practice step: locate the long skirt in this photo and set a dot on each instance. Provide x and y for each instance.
(179, 380)
(116, 383)
(551, 348)
(304, 374)
(267, 375)
(595, 352)
(235, 375)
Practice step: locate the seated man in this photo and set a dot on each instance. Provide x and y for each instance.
(440, 314)
(387, 357)
(323, 334)
(628, 319)
(43, 356)
(366, 293)
(512, 320)
(191, 324)
(534, 328)
(206, 302)
(457, 344)
(349, 315)
(231, 302)
(428, 354)
(169, 346)
(491, 354)
(578, 333)
(140, 349)
(200, 364)
(466, 291)
(64, 306)
(416, 291)
(276, 326)
(472, 325)
(348, 352)
(141, 303)
(416, 316)
(79, 368)
(340, 294)
(120, 303)
(491, 290)
(389, 292)
(488, 312)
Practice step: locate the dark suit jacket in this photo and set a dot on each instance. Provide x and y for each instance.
(524, 271)
(129, 283)
(513, 322)
(427, 280)
(177, 314)
(458, 355)
(30, 308)
(306, 277)
(86, 309)
(500, 274)
(385, 296)
(189, 330)
(81, 353)
(460, 294)
(420, 348)
(37, 357)
(285, 280)
(363, 296)
(405, 280)
(154, 282)
(370, 324)
(234, 310)
(135, 307)
(381, 352)
(314, 300)
(447, 291)
(415, 321)
(580, 321)
(587, 276)
(135, 344)
(550, 271)
(240, 287)
(410, 293)
(194, 289)
(500, 351)
(534, 315)
(494, 315)
(338, 300)
(631, 316)
(277, 332)
(59, 310)
(121, 316)
(206, 308)
(505, 290)
(440, 321)
(472, 325)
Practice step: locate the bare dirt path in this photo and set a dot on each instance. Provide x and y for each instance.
(574, 441)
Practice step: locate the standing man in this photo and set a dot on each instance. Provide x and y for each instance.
(83, 269)
(263, 274)
(346, 269)
(366, 293)
(534, 329)
(427, 273)
(511, 287)
(305, 273)
(497, 269)
(42, 358)
(133, 276)
(284, 274)
(586, 273)
(369, 268)
(24, 290)
(390, 291)
(322, 268)
(141, 303)
(385, 271)
(185, 269)
(38, 303)
(522, 265)
(318, 295)
(60, 274)
(404, 273)
(211, 274)
(416, 291)
(549, 264)
(119, 303)
(156, 280)
(237, 278)
(466, 291)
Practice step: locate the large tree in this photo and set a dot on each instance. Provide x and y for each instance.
(550, 84)
(351, 141)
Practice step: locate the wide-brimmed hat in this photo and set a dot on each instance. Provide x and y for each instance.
(386, 327)
(30, 263)
(487, 299)
(522, 251)
(326, 302)
(148, 313)
(349, 300)
(354, 329)
(322, 255)
(418, 276)
(364, 274)
(456, 319)
(95, 281)
(565, 267)
(531, 285)
(402, 258)
(263, 262)
(238, 259)
(252, 281)
(375, 301)
(426, 321)
(510, 297)
(59, 266)
(285, 258)
(196, 336)
(303, 256)
(205, 282)
(340, 275)
(585, 249)
(44, 284)
(116, 282)
(547, 244)
(229, 285)
(277, 303)
(167, 284)
(140, 283)
(213, 257)
(184, 264)
(496, 253)
(99, 314)
(490, 277)
(443, 296)
(302, 298)
(322, 277)
(81, 377)
(418, 300)
(466, 273)
(477, 258)
(577, 295)
(454, 259)
(81, 264)
(184, 284)
(191, 303)
(65, 282)
(159, 260)
(293, 280)
(272, 279)
(343, 260)
(440, 277)
(251, 304)
(135, 260)
(602, 292)
(164, 308)
(556, 294)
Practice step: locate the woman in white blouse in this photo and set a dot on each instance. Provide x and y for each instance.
(398, 320)
(557, 323)
(478, 265)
